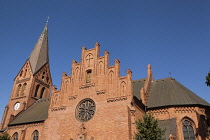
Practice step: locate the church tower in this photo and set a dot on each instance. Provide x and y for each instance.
(32, 82)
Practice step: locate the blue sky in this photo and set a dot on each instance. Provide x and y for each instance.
(172, 36)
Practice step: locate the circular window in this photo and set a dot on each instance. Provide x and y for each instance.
(85, 110)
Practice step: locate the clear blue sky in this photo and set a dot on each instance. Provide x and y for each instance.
(171, 35)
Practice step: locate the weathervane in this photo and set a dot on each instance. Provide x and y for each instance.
(47, 19)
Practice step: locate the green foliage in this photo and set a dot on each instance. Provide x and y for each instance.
(208, 79)
(148, 129)
(4, 136)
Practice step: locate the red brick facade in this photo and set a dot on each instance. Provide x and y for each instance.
(93, 103)
(111, 93)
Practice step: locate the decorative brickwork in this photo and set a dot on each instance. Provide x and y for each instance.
(144, 92)
(94, 103)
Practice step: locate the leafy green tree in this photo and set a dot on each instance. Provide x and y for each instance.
(148, 129)
(208, 79)
(4, 136)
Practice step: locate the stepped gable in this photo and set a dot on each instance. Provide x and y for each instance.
(169, 92)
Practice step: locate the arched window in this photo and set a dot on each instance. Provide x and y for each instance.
(15, 136)
(23, 89)
(42, 92)
(18, 90)
(36, 91)
(188, 130)
(35, 135)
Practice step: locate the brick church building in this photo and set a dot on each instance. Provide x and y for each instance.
(95, 103)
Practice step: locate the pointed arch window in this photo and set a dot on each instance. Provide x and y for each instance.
(42, 92)
(188, 131)
(36, 91)
(15, 136)
(35, 135)
(18, 90)
(111, 74)
(23, 89)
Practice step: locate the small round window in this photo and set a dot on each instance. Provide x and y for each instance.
(85, 110)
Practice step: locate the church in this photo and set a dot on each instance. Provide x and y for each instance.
(95, 103)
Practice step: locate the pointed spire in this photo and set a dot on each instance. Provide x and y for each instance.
(39, 56)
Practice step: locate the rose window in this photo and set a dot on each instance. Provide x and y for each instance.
(85, 110)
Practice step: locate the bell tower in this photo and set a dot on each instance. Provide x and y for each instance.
(32, 82)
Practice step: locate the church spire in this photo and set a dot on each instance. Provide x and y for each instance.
(39, 56)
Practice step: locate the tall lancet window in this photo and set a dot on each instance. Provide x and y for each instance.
(18, 90)
(42, 92)
(36, 91)
(88, 77)
(188, 130)
(35, 135)
(23, 89)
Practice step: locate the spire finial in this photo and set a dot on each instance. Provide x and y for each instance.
(47, 19)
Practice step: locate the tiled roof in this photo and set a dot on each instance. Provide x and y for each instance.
(39, 56)
(169, 92)
(137, 85)
(38, 112)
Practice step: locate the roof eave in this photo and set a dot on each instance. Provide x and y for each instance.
(40, 121)
(170, 106)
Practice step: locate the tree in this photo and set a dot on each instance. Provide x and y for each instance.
(148, 129)
(208, 79)
(4, 136)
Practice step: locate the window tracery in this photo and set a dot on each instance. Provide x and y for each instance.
(85, 110)
(188, 131)
(35, 135)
